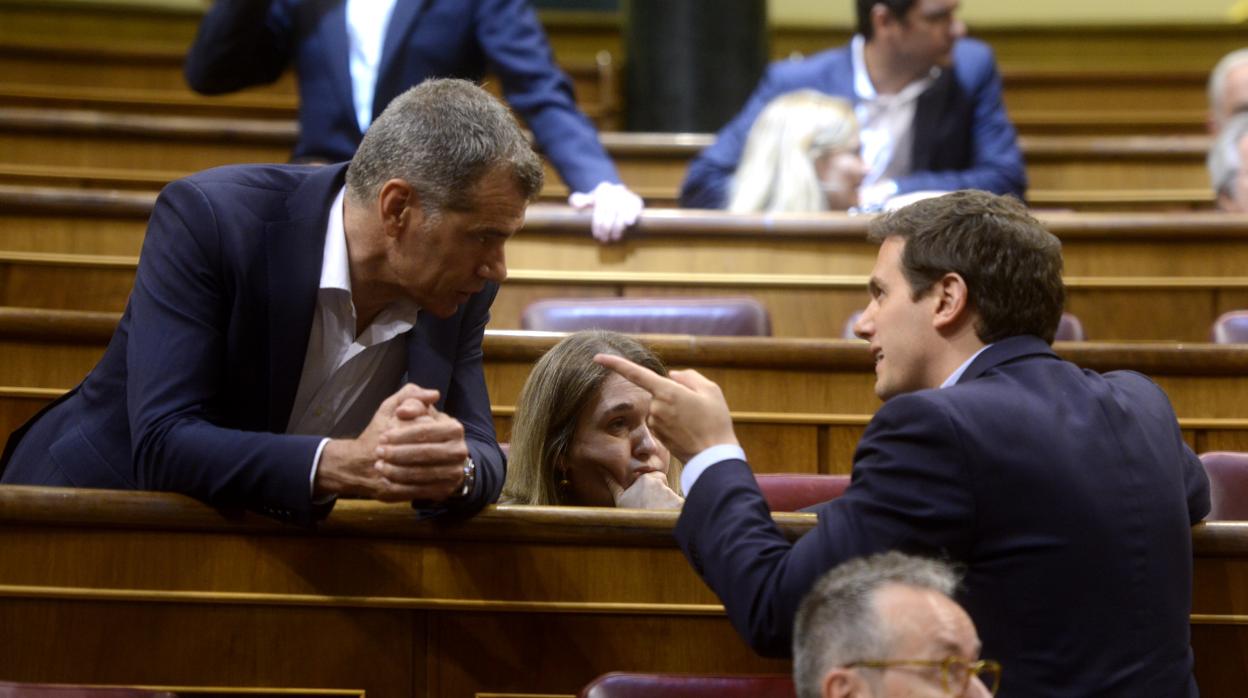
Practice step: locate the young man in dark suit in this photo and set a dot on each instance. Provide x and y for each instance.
(297, 333)
(1066, 494)
(928, 101)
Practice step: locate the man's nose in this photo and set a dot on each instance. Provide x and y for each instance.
(864, 323)
(495, 267)
(957, 28)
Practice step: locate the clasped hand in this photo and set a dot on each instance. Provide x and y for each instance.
(408, 451)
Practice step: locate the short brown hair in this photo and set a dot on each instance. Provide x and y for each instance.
(562, 384)
(1012, 265)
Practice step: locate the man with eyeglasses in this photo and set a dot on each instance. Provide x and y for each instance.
(886, 626)
(927, 100)
(1068, 495)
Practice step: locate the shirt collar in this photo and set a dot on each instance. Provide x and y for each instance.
(957, 372)
(397, 317)
(336, 265)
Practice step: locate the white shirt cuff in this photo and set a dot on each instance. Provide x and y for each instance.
(699, 463)
(316, 462)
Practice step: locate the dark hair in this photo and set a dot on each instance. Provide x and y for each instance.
(899, 8)
(441, 137)
(1012, 265)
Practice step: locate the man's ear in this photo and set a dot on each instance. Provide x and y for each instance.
(952, 300)
(881, 18)
(843, 683)
(398, 203)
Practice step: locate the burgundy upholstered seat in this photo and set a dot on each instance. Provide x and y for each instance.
(1231, 328)
(1069, 328)
(1228, 485)
(738, 317)
(627, 685)
(796, 491)
(33, 690)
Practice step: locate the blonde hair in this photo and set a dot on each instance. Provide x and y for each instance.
(562, 384)
(777, 170)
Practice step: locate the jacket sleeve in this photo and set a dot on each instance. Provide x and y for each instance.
(709, 178)
(908, 493)
(518, 52)
(176, 359)
(996, 161)
(240, 43)
(468, 401)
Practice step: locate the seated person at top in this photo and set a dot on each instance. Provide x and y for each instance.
(354, 56)
(802, 155)
(580, 435)
(1227, 155)
(928, 103)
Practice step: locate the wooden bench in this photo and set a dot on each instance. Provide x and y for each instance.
(798, 404)
(394, 606)
(1136, 277)
(653, 164)
(147, 78)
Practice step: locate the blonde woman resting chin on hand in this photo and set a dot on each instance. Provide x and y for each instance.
(580, 436)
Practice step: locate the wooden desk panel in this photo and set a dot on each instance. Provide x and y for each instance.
(149, 588)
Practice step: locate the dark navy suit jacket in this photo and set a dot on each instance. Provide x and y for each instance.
(197, 383)
(962, 137)
(251, 42)
(1067, 495)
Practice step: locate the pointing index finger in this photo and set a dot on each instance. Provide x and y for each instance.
(640, 376)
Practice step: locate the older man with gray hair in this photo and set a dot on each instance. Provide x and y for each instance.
(300, 333)
(885, 626)
(1226, 159)
(1228, 89)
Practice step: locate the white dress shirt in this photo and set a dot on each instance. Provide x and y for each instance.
(886, 128)
(367, 21)
(345, 377)
(704, 460)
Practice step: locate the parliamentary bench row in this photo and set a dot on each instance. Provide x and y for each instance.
(68, 219)
(1129, 277)
(651, 163)
(799, 406)
(69, 73)
(158, 589)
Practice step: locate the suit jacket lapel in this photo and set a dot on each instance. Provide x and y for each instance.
(295, 249)
(428, 363)
(931, 108)
(401, 20)
(338, 48)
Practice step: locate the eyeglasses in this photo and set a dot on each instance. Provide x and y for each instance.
(955, 672)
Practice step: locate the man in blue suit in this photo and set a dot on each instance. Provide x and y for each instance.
(1066, 494)
(928, 103)
(299, 333)
(354, 56)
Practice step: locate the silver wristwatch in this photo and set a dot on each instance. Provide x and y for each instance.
(470, 480)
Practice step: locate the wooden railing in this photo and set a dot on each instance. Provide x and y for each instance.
(157, 589)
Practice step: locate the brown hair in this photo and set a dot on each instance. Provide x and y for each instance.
(1012, 265)
(563, 383)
